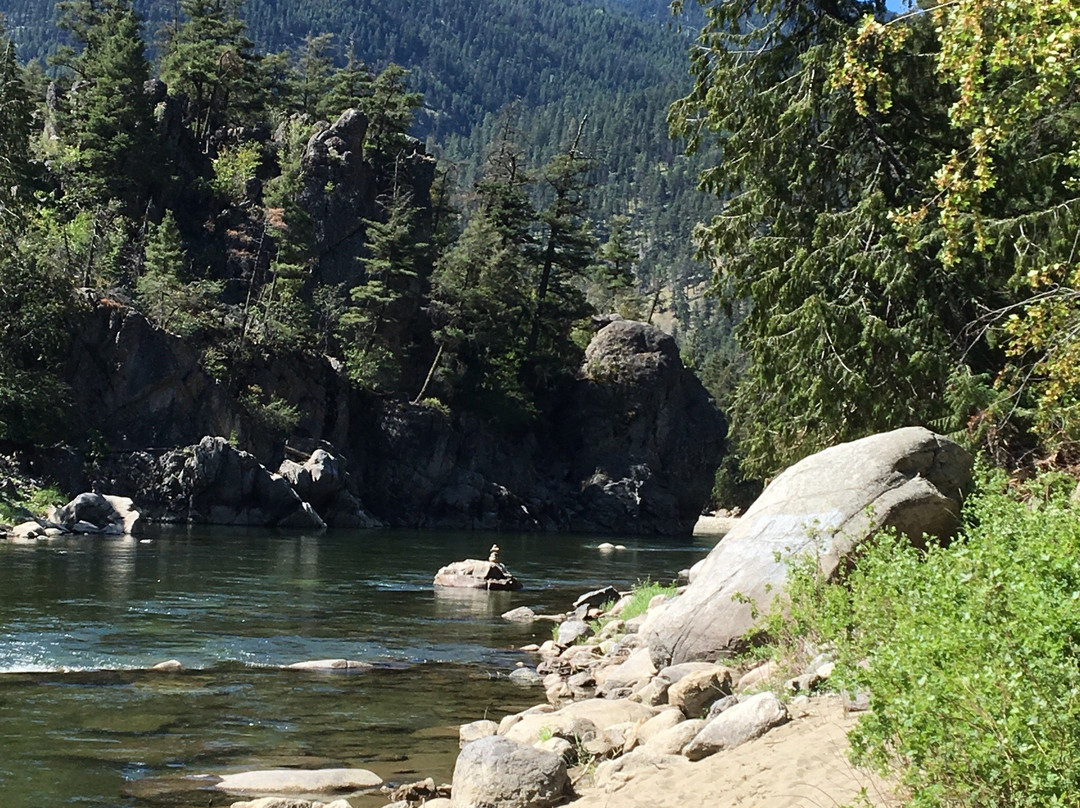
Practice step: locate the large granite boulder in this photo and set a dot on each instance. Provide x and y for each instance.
(496, 772)
(641, 435)
(106, 514)
(827, 505)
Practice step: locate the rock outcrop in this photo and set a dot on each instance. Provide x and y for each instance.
(145, 387)
(215, 483)
(826, 505)
(323, 482)
(643, 438)
(94, 513)
(631, 448)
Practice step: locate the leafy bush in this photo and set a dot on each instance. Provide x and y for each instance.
(969, 652)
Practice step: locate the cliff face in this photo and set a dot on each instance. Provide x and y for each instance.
(631, 449)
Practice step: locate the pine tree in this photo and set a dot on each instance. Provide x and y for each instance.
(396, 254)
(209, 61)
(614, 272)
(15, 108)
(109, 127)
(568, 250)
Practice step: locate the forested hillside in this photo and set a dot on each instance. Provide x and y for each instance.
(274, 211)
(545, 63)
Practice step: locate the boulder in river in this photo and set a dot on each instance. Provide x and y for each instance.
(475, 574)
(298, 781)
(824, 506)
(102, 514)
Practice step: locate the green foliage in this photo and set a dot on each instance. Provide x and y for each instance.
(209, 61)
(270, 412)
(36, 304)
(234, 168)
(29, 500)
(853, 327)
(15, 108)
(968, 651)
(641, 593)
(108, 127)
(397, 250)
(164, 291)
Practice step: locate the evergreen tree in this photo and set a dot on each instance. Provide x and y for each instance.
(568, 250)
(349, 87)
(390, 109)
(209, 61)
(614, 272)
(165, 292)
(109, 126)
(397, 252)
(853, 327)
(15, 108)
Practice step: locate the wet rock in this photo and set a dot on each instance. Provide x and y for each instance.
(26, 531)
(333, 665)
(298, 781)
(168, 666)
(526, 676)
(522, 614)
(474, 574)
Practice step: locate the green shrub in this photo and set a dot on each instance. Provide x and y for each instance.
(969, 652)
(640, 595)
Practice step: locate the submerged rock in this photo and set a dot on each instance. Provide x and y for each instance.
(342, 665)
(475, 574)
(298, 781)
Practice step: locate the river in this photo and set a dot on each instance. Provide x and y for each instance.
(83, 723)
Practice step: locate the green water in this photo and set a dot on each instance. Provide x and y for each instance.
(83, 723)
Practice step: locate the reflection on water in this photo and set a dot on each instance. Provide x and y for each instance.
(82, 722)
(467, 604)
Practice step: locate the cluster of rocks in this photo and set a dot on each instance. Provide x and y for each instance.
(87, 514)
(628, 696)
(213, 482)
(611, 715)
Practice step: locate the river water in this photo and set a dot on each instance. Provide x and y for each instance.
(83, 723)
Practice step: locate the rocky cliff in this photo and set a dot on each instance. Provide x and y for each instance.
(631, 448)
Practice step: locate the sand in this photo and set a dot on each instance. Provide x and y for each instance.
(802, 764)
